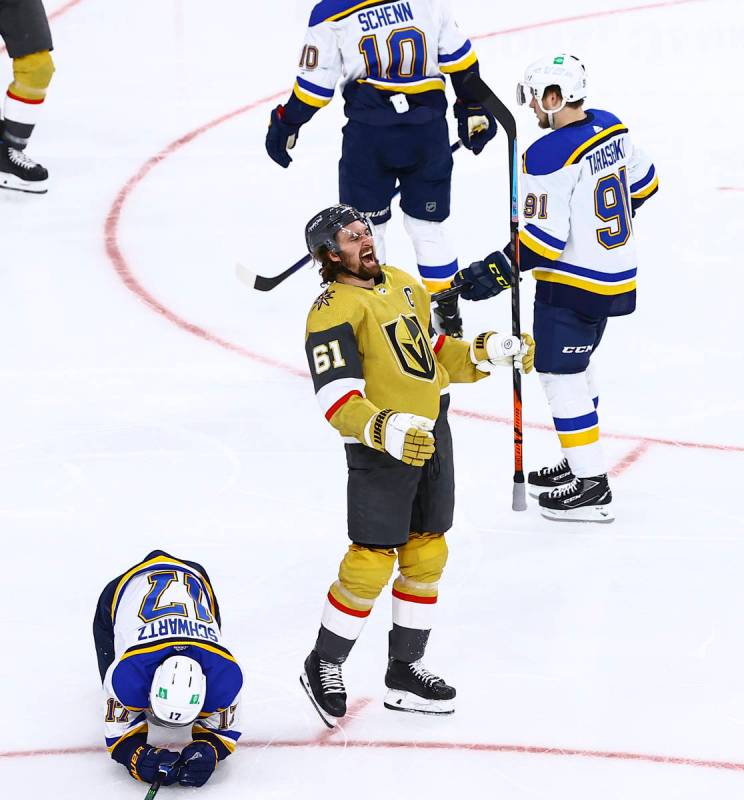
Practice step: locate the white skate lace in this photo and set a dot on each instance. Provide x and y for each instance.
(331, 678)
(423, 674)
(561, 466)
(566, 489)
(20, 159)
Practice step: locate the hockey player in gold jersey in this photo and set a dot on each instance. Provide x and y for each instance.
(25, 30)
(381, 378)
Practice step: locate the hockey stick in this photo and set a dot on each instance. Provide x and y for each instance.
(153, 790)
(265, 284)
(505, 118)
(162, 774)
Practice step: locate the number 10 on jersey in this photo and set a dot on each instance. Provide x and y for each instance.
(406, 55)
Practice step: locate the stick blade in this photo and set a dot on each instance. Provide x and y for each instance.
(245, 275)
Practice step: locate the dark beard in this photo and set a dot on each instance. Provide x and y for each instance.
(363, 273)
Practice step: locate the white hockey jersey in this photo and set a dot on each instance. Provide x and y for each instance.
(581, 185)
(377, 50)
(163, 607)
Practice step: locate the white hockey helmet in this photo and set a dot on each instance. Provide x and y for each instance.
(562, 70)
(178, 690)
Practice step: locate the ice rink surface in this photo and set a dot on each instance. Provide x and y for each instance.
(150, 400)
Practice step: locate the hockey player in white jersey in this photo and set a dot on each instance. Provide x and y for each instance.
(388, 58)
(581, 185)
(162, 663)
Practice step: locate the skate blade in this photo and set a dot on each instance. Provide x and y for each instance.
(587, 514)
(328, 720)
(14, 185)
(397, 700)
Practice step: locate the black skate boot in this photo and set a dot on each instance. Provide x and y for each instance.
(548, 478)
(411, 687)
(19, 172)
(447, 317)
(581, 500)
(324, 684)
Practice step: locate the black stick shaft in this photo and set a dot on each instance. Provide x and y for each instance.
(153, 790)
(506, 119)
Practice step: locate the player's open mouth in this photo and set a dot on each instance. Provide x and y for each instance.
(367, 256)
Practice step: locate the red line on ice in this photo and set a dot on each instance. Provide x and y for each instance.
(582, 17)
(629, 437)
(329, 739)
(122, 268)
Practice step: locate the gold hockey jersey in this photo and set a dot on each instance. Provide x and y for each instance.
(370, 349)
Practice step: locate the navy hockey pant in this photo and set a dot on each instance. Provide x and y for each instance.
(374, 157)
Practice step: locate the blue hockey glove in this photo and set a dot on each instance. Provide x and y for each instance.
(280, 137)
(484, 279)
(148, 763)
(476, 125)
(198, 762)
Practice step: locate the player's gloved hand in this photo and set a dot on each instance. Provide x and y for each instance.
(476, 125)
(406, 437)
(280, 137)
(148, 763)
(198, 762)
(484, 279)
(498, 348)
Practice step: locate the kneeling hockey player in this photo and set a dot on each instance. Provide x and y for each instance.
(162, 662)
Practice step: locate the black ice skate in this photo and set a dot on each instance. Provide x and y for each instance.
(581, 500)
(548, 478)
(19, 172)
(411, 687)
(324, 684)
(447, 318)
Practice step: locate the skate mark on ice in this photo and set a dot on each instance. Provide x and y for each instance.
(338, 734)
(628, 460)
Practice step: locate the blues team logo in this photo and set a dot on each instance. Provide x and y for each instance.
(411, 347)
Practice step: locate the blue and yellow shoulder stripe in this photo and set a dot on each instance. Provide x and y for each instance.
(540, 243)
(641, 190)
(568, 145)
(460, 60)
(312, 94)
(336, 10)
(132, 675)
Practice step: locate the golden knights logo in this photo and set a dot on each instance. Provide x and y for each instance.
(323, 299)
(411, 347)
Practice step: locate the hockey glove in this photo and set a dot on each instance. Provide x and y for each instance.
(148, 763)
(484, 279)
(496, 348)
(405, 436)
(476, 125)
(280, 137)
(198, 762)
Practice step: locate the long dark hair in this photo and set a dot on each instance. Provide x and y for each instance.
(328, 268)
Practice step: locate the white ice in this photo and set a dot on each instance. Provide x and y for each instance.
(150, 400)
